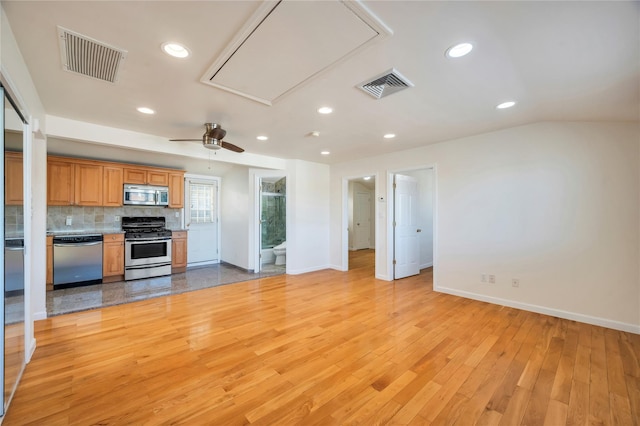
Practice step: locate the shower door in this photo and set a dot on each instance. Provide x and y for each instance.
(273, 218)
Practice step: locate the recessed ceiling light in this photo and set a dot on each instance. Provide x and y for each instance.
(175, 49)
(367, 178)
(389, 136)
(262, 138)
(325, 152)
(325, 110)
(146, 110)
(504, 105)
(459, 50)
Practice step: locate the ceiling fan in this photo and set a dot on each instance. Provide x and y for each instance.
(212, 138)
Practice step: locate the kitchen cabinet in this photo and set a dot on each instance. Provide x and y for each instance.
(176, 190)
(112, 257)
(49, 274)
(145, 176)
(71, 184)
(88, 180)
(84, 182)
(14, 189)
(60, 183)
(112, 186)
(178, 251)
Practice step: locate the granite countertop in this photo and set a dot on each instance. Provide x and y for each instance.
(84, 231)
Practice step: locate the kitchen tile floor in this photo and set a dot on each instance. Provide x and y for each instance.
(100, 295)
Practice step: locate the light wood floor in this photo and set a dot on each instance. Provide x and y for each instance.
(324, 348)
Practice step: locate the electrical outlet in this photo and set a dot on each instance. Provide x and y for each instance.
(483, 278)
(492, 279)
(116, 218)
(69, 220)
(515, 282)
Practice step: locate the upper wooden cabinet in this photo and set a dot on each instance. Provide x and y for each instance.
(144, 176)
(13, 176)
(88, 184)
(79, 182)
(60, 183)
(176, 190)
(71, 184)
(112, 186)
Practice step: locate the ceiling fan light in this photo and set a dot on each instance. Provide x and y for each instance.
(211, 143)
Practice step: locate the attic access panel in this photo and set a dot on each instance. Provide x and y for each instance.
(287, 43)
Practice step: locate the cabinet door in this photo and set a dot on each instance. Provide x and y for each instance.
(14, 189)
(112, 196)
(88, 181)
(179, 250)
(60, 184)
(113, 255)
(138, 176)
(157, 178)
(176, 190)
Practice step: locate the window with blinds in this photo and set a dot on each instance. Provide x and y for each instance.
(202, 202)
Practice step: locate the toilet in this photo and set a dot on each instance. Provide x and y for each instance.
(280, 251)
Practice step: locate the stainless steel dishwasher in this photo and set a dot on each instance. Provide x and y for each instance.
(13, 266)
(77, 260)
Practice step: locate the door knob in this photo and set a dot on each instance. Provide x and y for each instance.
(419, 230)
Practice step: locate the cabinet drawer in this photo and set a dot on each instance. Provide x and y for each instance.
(110, 238)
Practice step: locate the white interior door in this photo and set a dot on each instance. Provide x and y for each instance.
(201, 218)
(406, 242)
(362, 220)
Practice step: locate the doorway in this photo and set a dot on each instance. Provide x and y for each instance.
(412, 226)
(202, 219)
(272, 234)
(361, 239)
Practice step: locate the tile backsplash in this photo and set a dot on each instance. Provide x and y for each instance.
(13, 220)
(104, 218)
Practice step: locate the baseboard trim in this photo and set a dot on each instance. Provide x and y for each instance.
(305, 270)
(426, 265)
(588, 319)
(31, 350)
(338, 268)
(383, 277)
(37, 316)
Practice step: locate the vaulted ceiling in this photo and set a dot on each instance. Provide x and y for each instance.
(557, 60)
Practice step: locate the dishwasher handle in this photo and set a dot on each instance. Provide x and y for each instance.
(77, 244)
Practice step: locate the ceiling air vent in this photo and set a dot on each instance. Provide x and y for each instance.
(385, 84)
(86, 56)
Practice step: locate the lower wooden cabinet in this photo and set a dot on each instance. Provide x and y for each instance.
(178, 251)
(113, 258)
(49, 279)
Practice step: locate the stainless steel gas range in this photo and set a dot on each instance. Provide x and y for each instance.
(147, 247)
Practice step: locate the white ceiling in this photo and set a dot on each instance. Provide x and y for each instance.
(558, 60)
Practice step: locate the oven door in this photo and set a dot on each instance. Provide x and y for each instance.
(147, 252)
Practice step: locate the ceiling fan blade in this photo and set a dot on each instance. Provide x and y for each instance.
(231, 147)
(186, 140)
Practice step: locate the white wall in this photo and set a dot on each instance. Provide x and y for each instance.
(425, 213)
(15, 72)
(308, 222)
(555, 205)
(235, 214)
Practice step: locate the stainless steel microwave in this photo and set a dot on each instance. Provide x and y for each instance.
(146, 195)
